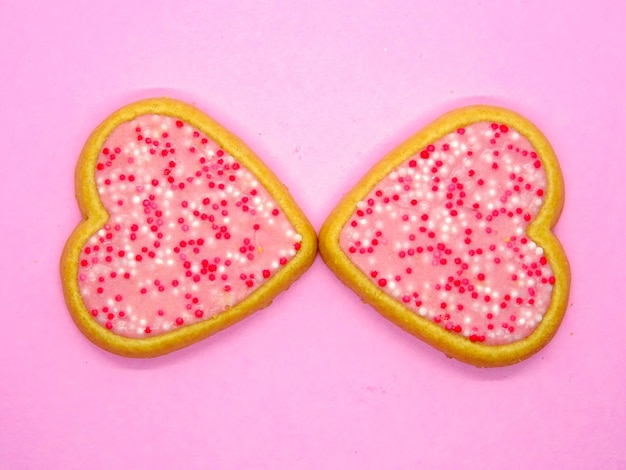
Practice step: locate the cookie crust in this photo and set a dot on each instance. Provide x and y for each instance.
(94, 216)
(539, 230)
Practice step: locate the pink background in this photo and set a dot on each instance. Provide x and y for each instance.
(321, 91)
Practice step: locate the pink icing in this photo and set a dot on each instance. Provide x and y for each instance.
(190, 232)
(445, 235)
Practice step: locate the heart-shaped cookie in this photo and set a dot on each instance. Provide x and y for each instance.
(185, 231)
(449, 236)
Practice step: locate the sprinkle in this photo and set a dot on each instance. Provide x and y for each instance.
(190, 209)
(455, 238)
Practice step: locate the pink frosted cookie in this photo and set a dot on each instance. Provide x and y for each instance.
(185, 231)
(449, 236)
